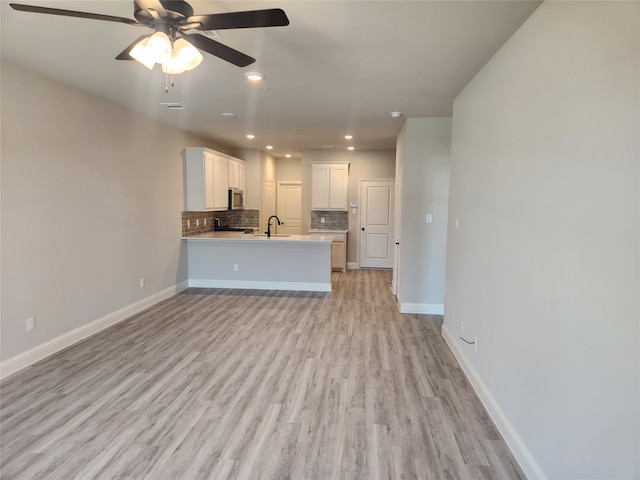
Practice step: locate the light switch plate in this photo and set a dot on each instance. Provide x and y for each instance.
(429, 218)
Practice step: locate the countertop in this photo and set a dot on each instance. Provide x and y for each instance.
(248, 237)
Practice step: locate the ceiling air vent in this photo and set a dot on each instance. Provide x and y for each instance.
(172, 106)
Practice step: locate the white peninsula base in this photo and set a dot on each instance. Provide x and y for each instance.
(235, 260)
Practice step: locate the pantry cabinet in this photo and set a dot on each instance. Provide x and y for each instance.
(206, 179)
(329, 186)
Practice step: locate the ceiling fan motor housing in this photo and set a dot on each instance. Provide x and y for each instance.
(173, 10)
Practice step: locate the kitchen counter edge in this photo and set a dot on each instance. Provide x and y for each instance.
(247, 237)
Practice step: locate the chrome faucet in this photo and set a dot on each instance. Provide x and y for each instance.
(268, 232)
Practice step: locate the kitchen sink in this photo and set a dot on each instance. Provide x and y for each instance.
(273, 235)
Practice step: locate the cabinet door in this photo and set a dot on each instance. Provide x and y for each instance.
(241, 176)
(339, 183)
(320, 178)
(209, 185)
(221, 182)
(337, 255)
(233, 174)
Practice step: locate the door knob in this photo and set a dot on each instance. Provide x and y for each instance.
(363, 229)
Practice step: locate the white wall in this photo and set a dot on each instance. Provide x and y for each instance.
(289, 169)
(544, 268)
(363, 165)
(91, 200)
(423, 151)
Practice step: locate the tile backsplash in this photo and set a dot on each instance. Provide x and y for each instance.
(332, 220)
(194, 223)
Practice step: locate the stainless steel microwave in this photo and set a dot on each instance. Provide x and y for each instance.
(236, 199)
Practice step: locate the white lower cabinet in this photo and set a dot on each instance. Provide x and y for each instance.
(338, 248)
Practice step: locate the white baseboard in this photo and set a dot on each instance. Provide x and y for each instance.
(42, 351)
(353, 266)
(424, 308)
(519, 449)
(261, 285)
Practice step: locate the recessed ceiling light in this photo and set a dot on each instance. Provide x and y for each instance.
(228, 114)
(348, 137)
(254, 76)
(288, 155)
(269, 147)
(351, 147)
(250, 136)
(396, 114)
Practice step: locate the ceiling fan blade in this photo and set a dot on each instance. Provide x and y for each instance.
(124, 55)
(71, 13)
(219, 50)
(274, 17)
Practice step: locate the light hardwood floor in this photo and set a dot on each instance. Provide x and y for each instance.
(247, 385)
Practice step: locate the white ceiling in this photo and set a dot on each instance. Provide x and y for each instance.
(339, 67)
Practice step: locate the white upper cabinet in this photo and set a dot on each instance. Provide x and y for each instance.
(206, 179)
(220, 182)
(329, 186)
(236, 173)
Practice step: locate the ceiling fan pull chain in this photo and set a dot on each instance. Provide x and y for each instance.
(166, 82)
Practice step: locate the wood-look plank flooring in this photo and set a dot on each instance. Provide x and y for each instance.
(230, 384)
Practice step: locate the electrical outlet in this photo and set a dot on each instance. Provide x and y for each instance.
(188, 223)
(321, 219)
(31, 324)
(197, 222)
(429, 218)
(205, 222)
(235, 267)
(457, 224)
(142, 283)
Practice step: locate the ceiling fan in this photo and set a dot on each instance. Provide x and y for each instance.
(171, 20)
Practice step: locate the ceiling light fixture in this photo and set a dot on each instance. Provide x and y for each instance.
(250, 136)
(348, 137)
(269, 147)
(175, 56)
(288, 155)
(254, 76)
(396, 114)
(350, 147)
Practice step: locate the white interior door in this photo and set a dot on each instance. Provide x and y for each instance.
(289, 200)
(268, 203)
(376, 224)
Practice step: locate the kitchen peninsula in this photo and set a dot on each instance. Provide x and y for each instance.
(249, 261)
